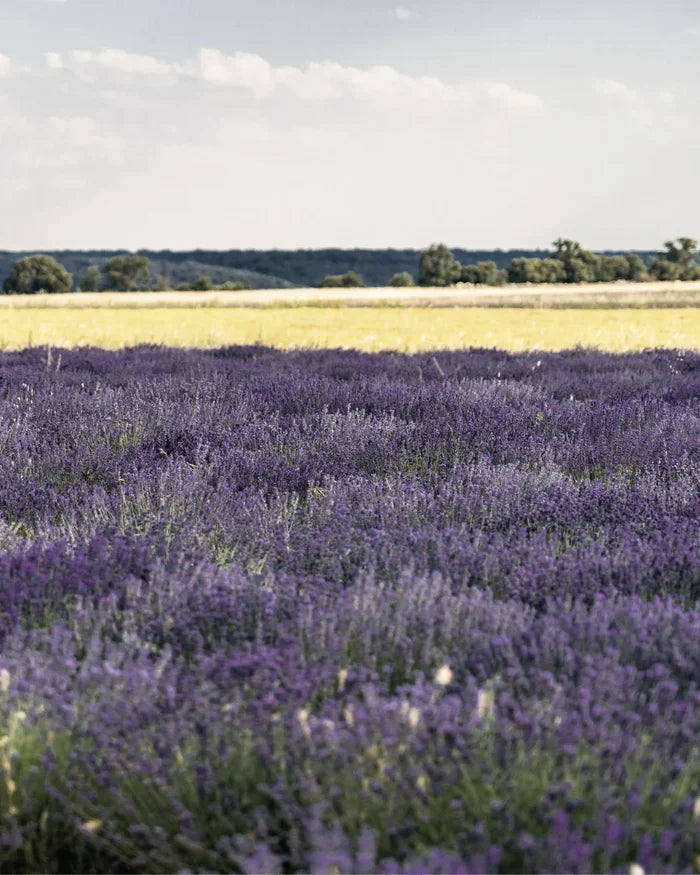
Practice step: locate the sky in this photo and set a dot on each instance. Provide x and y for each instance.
(284, 124)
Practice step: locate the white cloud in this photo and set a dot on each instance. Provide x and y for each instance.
(90, 65)
(53, 60)
(17, 126)
(242, 69)
(613, 88)
(125, 62)
(326, 80)
(404, 14)
(642, 107)
(509, 97)
(67, 144)
(667, 98)
(643, 118)
(5, 65)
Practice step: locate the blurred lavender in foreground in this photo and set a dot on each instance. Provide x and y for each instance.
(333, 612)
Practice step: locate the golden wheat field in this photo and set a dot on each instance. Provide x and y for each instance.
(409, 329)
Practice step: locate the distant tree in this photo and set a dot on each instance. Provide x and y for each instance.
(330, 282)
(580, 265)
(230, 286)
(636, 269)
(565, 248)
(352, 280)
(470, 273)
(489, 273)
(184, 287)
(578, 270)
(438, 267)
(682, 250)
(536, 270)
(607, 269)
(343, 280)
(203, 284)
(485, 273)
(160, 283)
(37, 273)
(91, 280)
(611, 268)
(124, 273)
(678, 262)
(551, 270)
(520, 270)
(665, 271)
(401, 280)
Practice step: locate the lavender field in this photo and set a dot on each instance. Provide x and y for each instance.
(340, 612)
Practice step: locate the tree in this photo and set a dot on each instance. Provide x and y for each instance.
(160, 283)
(330, 282)
(620, 267)
(342, 280)
(470, 273)
(438, 267)
(401, 280)
(489, 274)
(124, 273)
(678, 262)
(38, 273)
(607, 269)
(203, 284)
(91, 280)
(521, 270)
(535, 270)
(666, 271)
(636, 269)
(551, 270)
(578, 270)
(682, 250)
(580, 265)
(231, 286)
(352, 280)
(565, 249)
(485, 273)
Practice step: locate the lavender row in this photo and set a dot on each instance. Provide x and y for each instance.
(336, 612)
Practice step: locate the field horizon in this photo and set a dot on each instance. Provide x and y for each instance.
(608, 295)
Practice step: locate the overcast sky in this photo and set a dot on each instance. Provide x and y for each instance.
(310, 123)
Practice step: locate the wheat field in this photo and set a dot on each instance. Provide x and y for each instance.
(603, 295)
(407, 329)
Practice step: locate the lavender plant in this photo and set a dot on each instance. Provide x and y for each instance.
(333, 612)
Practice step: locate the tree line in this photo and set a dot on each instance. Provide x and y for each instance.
(122, 273)
(568, 262)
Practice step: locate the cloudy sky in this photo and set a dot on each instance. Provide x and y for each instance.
(308, 123)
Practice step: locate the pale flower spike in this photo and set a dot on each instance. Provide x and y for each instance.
(91, 825)
(485, 707)
(443, 676)
(342, 679)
